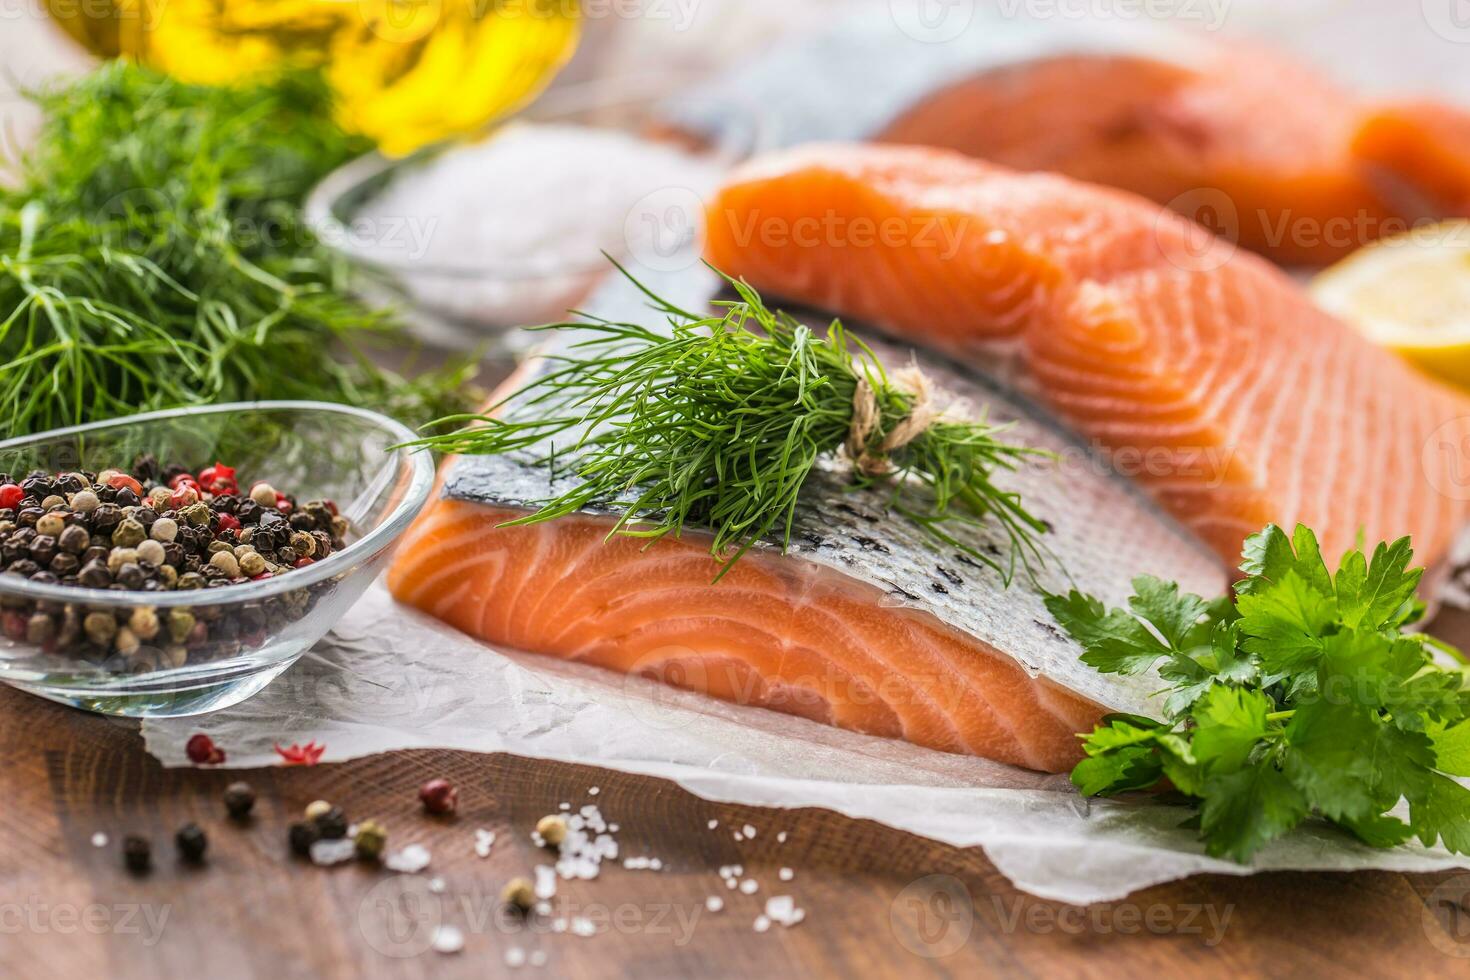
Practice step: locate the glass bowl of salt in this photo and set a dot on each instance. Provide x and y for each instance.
(516, 227)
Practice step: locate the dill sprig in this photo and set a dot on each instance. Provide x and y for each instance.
(718, 422)
(153, 254)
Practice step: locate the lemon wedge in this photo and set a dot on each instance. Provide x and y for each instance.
(1411, 294)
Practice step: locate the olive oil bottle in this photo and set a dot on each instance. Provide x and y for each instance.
(407, 72)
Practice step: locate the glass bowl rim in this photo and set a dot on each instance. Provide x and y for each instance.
(421, 482)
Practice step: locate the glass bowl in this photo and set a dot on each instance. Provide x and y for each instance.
(463, 299)
(249, 632)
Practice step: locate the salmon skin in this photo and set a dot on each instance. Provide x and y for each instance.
(865, 623)
(1204, 371)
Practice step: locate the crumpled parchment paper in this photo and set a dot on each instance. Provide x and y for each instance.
(391, 678)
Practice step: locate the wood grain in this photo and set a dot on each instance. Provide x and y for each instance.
(877, 899)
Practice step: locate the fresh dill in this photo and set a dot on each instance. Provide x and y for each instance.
(153, 254)
(718, 422)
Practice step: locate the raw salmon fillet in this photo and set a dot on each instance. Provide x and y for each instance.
(1254, 145)
(1206, 372)
(1426, 148)
(865, 623)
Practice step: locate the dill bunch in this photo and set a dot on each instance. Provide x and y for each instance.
(153, 254)
(720, 422)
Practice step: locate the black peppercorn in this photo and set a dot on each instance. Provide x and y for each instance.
(303, 834)
(191, 843)
(332, 825)
(137, 853)
(239, 800)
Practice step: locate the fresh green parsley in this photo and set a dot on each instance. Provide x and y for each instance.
(1303, 697)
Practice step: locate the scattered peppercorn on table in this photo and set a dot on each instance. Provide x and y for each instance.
(79, 789)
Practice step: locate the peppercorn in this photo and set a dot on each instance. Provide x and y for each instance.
(370, 840)
(74, 539)
(129, 532)
(519, 894)
(439, 796)
(191, 843)
(52, 524)
(180, 622)
(84, 502)
(39, 629)
(226, 563)
(553, 829)
(302, 835)
(151, 552)
(130, 576)
(196, 514)
(100, 628)
(239, 799)
(158, 498)
(332, 824)
(317, 808)
(263, 494)
(144, 622)
(137, 854)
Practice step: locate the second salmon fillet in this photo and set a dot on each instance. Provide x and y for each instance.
(1206, 373)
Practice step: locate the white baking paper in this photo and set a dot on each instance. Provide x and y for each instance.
(391, 678)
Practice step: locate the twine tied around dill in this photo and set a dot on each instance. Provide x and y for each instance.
(872, 460)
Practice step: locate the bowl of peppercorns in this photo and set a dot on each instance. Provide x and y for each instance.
(176, 562)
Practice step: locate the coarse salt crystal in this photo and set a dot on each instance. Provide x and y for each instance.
(484, 840)
(515, 957)
(749, 831)
(781, 837)
(412, 859)
(593, 790)
(99, 839)
(563, 806)
(739, 836)
(714, 903)
(329, 852)
(761, 923)
(447, 939)
(559, 925)
(713, 824)
(584, 927)
(436, 885)
(731, 883)
(786, 874)
(545, 881)
(749, 886)
(782, 909)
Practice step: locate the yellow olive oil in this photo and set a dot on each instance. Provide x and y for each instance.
(406, 72)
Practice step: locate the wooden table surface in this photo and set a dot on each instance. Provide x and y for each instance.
(879, 902)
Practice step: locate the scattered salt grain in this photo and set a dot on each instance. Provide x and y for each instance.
(558, 925)
(786, 874)
(761, 923)
(545, 881)
(411, 860)
(436, 885)
(782, 909)
(543, 908)
(739, 836)
(563, 806)
(713, 824)
(447, 939)
(484, 840)
(594, 790)
(515, 957)
(781, 837)
(329, 852)
(99, 839)
(714, 903)
(749, 886)
(583, 927)
(749, 831)
(731, 882)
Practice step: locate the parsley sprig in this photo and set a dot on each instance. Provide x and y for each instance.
(1304, 697)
